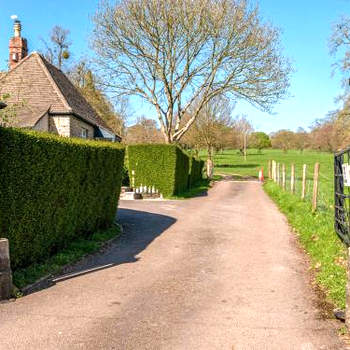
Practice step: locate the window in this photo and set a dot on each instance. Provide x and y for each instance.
(84, 133)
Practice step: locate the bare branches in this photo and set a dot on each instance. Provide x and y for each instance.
(58, 49)
(340, 42)
(171, 53)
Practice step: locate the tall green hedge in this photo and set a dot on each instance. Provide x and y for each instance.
(54, 189)
(196, 171)
(164, 166)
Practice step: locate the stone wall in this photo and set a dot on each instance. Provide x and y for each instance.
(60, 125)
(70, 126)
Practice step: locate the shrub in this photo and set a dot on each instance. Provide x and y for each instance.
(164, 166)
(54, 189)
(196, 171)
(125, 176)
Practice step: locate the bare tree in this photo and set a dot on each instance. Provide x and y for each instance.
(283, 139)
(58, 49)
(144, 131)
(211, 128)
(175, 54)
(243, 128)
(340, 41)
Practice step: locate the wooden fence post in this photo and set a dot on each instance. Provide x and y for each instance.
(303, 190)
(270, 170)
(5, 270)
(274, 171)
(292, 178)
(278, 174)
(284, 176)
(315, 189)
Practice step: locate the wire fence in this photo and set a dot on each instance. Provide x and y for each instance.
(307, 182)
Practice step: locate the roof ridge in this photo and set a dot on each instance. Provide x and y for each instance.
(42, 61)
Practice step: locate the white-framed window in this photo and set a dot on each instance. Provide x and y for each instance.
(84, 133)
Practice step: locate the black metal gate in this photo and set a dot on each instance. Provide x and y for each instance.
(342, 195)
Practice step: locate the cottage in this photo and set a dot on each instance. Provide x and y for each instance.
(45, 98)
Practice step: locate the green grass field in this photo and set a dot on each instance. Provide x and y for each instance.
(230, 162)
(315, 230)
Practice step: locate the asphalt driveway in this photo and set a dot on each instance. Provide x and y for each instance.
(221, 271)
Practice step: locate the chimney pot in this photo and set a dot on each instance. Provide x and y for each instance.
(17, 27)
(18, 45)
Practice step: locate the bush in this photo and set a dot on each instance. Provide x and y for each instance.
(125, 176)
(54, 189)
(164, 166)
(196, 171)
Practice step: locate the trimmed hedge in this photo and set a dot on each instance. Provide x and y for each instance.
(196, 171)
(54, 189)
(164, 166)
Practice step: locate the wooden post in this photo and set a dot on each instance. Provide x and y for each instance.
(315, 189)
(292, 178)
(273, 170)
(132, 179)
(5, 270)
(284, 176)
(278, 174)
(270, 169)
(303, 190)
(347, 312)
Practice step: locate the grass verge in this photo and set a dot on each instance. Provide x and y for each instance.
(199, 188)
(76, 250)
(317, 236)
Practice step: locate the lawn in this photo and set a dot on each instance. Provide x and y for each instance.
(315, 231)
(230, 162)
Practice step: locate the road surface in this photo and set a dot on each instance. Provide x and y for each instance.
(221, 271)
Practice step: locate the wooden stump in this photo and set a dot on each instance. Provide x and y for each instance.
(5, 270)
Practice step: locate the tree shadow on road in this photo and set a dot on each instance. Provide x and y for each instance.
(140, 228)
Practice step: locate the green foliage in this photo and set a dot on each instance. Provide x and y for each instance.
(164, 166)
(8, 114)
(196, 171)
(125, 176)
(53, 190)
(259, 140)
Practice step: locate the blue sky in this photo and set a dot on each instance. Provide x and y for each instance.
(305, 25)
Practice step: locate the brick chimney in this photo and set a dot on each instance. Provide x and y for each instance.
(18, 45)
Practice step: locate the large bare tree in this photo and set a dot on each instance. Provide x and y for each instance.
(173, 53)
(339, 42)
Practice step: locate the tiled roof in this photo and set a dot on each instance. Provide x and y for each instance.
(28, 117)
(38, 83)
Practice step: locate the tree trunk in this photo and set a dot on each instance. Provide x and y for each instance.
(210, 164)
